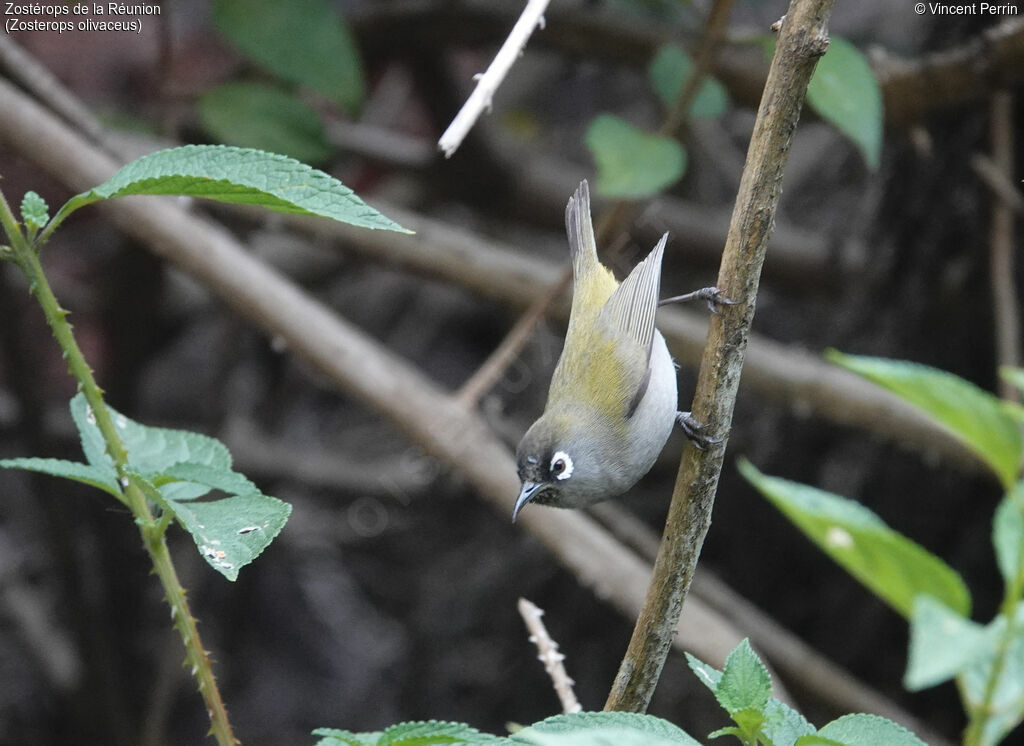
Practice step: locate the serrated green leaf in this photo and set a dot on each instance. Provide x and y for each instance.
(232, 532)
(844, 92)
(151, 450)
(890, 565)
(238, 176)
(303, 41)
(971, 414)
(430, 732)
(782, 724)
(632, 164)
(78, 472)
(252, 115)
(942, 643)
(1008, 538)
(868, 730)
(336, 737)
(745, 683)
(34, 212)
(707, 674)
(668, 73)
(612, 728)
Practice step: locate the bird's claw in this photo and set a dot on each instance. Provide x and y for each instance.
(694, 431)
(714, 297)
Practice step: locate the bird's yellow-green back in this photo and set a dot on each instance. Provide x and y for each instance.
(604, 360)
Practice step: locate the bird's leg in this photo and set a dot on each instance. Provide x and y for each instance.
(713, 296)
(694, 431)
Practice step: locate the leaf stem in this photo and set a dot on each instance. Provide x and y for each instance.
(152, 531)
(978, 716)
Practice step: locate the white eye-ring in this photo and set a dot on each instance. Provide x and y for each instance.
(561, 465)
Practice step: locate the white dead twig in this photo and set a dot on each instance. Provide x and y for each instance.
(487, 84)
(549, 655)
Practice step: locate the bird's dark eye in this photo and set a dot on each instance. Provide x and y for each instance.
(561, 465)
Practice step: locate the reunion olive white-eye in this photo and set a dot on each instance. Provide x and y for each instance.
(612, 401)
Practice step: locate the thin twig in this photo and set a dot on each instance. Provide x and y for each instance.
(999, 183)
(1005, 307)
(714, 31)
(487, 84)
(505, 353)
(549, 655)
(802, 41)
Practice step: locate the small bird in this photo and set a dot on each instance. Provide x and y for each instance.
(612, 402)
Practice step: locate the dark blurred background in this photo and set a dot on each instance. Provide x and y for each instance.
(391, 593)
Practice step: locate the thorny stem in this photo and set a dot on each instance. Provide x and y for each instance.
(802, 41)
(25, 255)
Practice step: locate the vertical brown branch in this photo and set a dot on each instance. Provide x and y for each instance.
(802, 40)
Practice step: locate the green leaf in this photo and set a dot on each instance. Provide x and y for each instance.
(253, 115)
(707, 674)
(232, 532)
(1008, 538)
(1005, 708)
(34, 212)
(427, 733)
(782, 724)
(868, 730)
(211, 477)
(731, 730)
(93, 445)
(304, 41)
(335, 737)
(844, 92)
(745, 683)
(942, 643)
(604, 728)
(893, 567)
(238, 176)
(151, 450)
(972, 415)
(84, 473)
(632, 164)
(668, 72)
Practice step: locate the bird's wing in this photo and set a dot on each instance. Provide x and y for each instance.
(630, 313)
(632, 307)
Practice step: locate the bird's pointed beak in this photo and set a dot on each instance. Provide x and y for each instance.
(526, 494)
